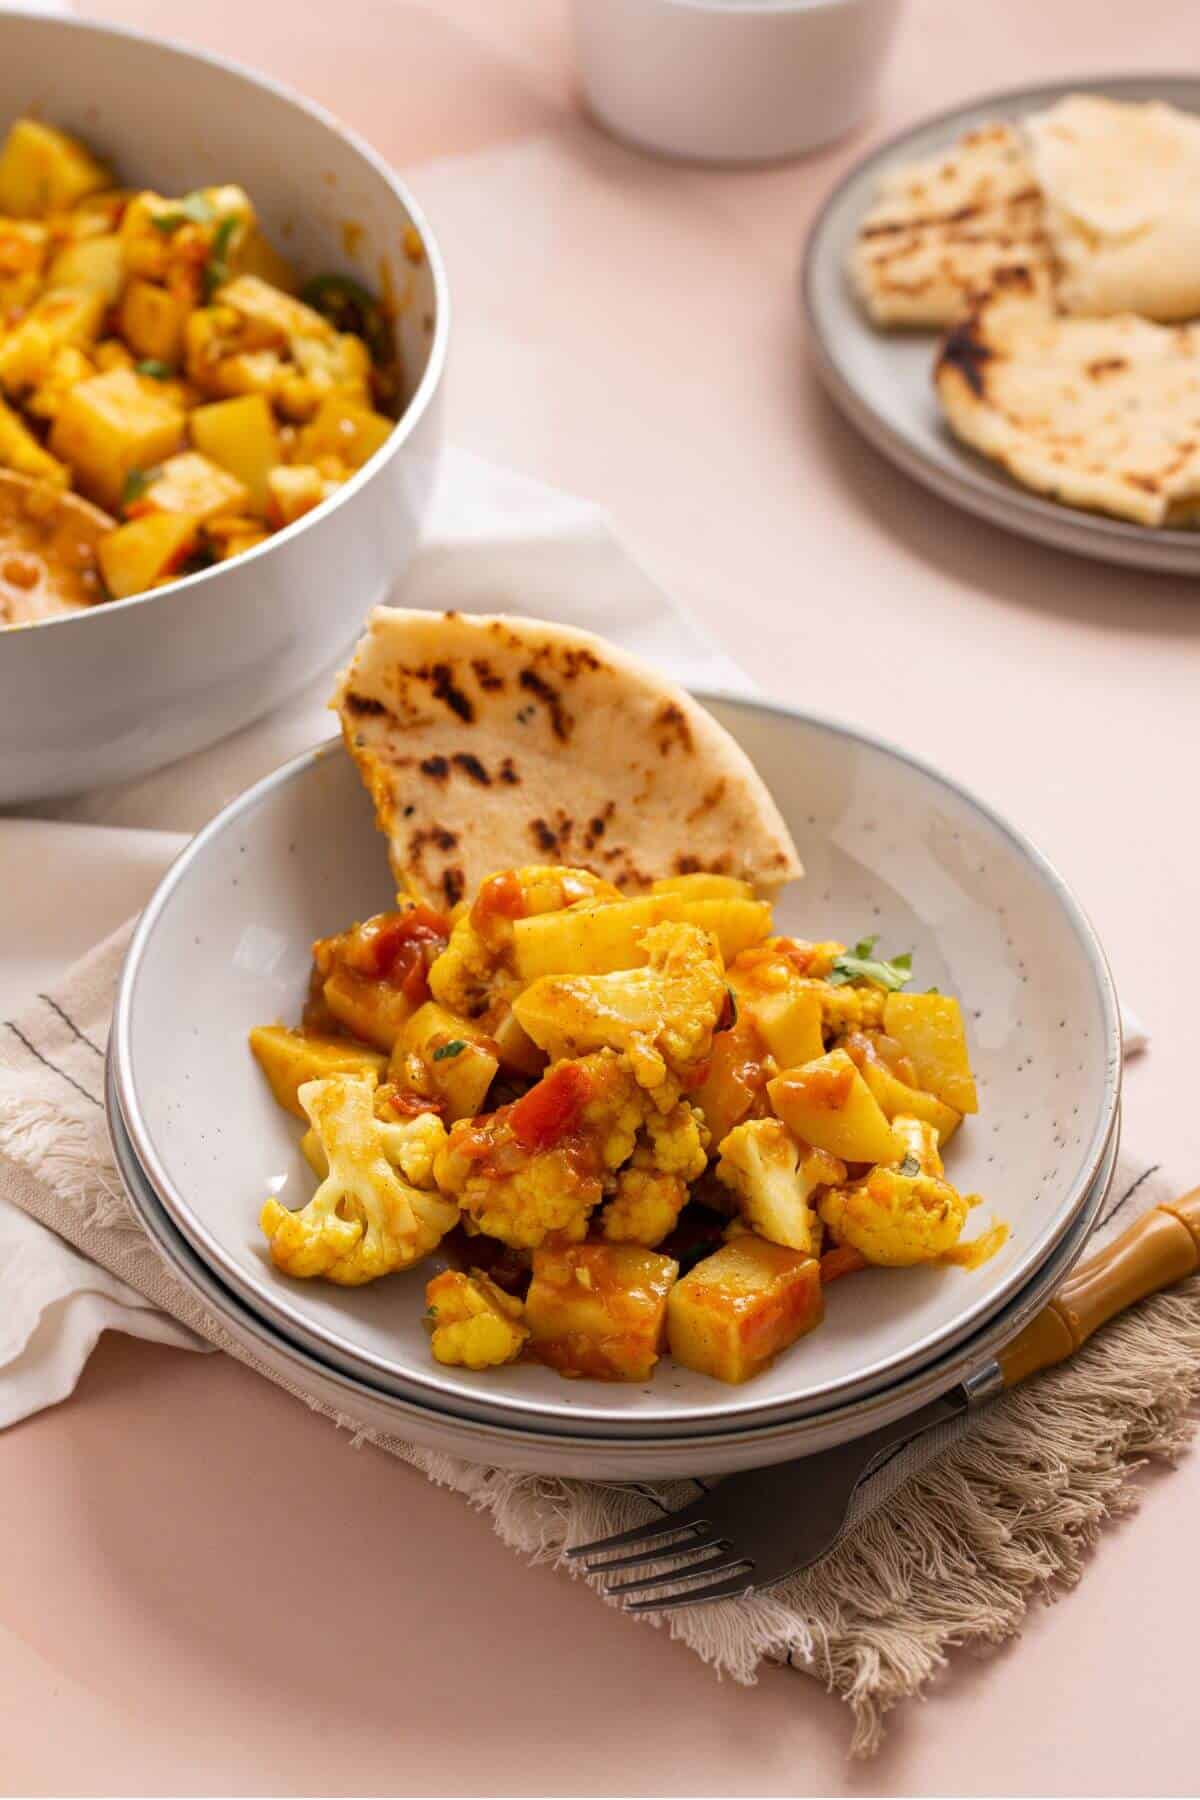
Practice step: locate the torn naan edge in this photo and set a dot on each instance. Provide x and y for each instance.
(941, 231)
(490, 742)
(1120, 182)
(1098, 413)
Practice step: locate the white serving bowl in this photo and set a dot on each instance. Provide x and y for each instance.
(539, 1450)
(890, 847)
(116, 691)
(731, 81)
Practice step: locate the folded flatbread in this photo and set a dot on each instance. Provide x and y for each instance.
(941, 230)
(1099, 413)
(1121, 183)
(488, 742)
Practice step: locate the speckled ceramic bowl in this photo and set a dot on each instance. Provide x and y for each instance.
(539, 1449)
(890, 847)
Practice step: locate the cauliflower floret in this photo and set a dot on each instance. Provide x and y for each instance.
(472, 970)
(538, 1167)
(773, 1178)
(365, 1219)
(476, 1325)
(662, 1015)
(414, 1145)
(677, 1141)
(904, 1213)
(645, 1207)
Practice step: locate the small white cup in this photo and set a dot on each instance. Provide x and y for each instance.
(731, 81)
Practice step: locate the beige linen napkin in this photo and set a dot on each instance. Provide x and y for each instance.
(950, 1541)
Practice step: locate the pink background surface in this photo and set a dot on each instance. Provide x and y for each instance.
(206, 1590)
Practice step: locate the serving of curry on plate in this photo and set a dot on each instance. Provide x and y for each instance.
(169, 393)
(628, 1112)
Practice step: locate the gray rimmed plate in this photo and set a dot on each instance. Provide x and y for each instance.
(882, 379)
(588, 1457)
(890, 845)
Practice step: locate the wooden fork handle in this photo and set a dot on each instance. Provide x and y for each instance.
(1157, 1250)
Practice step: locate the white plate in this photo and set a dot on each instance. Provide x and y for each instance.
(540, 1451)
(890, 847)
(882, 379)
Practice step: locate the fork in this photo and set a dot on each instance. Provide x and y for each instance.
(757, 1528)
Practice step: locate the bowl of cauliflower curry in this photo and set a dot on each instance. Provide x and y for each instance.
(630, 1122)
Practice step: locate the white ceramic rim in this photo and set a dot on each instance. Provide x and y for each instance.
(917, 1355)
(434, 367)
(971, 484)
(779, 1437)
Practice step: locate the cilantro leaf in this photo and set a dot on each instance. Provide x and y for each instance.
(193, 209)
(216, 269)
(136, 483)
(455, 1047)
(155, 368)
(861, 964)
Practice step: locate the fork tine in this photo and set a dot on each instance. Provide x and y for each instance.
(719, 1561)
(695, 1514)
(720, 1590)
(699, 1539)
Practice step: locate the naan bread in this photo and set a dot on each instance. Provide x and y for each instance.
(1099, 413)
(1121, 184)
(941, 231)
(489, 742)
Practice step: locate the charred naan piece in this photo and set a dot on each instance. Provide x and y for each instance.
(1098, 413)
(490, 741)
(1120, 183)
(943, 229)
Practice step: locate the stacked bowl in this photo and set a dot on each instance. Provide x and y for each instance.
(890, 846)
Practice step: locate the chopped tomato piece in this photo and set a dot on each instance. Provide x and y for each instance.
(501, 896)
(550, 1109)
(392, 934)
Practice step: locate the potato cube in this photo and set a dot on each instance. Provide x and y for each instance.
(828, 1104)
(190, 483)
(136, 556)
(59, 318)
(597, 940)
(68, 367)
(929, 1029)
(345, 430)
(290, 1058)
(459, 1063)
(256, 255)
(43, 170)
(113, 424)
(294, 488)
(24, 246)
(241, 436)
(897, 1099)
(599, 1309)
(739, 1307)
(20, 451)
(91, 265)
(788, 1021)
(704, 887)
(153, 320)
